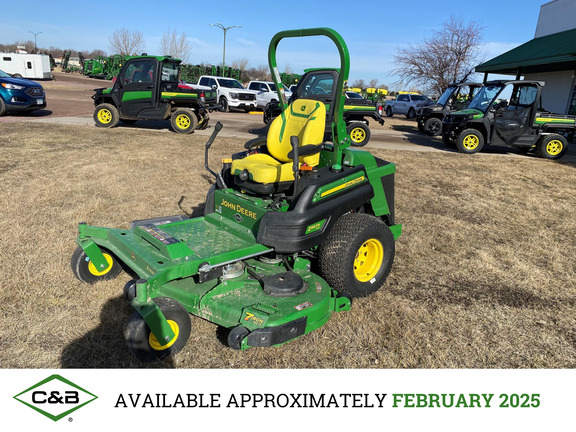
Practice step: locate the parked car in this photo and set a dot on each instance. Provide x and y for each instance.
(407, 104)
(20, 95)
(266, 92)
(231, 93)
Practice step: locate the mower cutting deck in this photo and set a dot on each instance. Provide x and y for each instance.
(290, 201)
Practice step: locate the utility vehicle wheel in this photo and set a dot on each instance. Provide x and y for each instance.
(421, 126)
(411, 113)
(223, 104)
(389, 112)
(235, 337)
(357, 255)
(106, 115)
(141, 341)
(2, 107)
(552, 146)
(85, 270)
(433, 127)
(359, 134)
(470, 141)
(183, 121)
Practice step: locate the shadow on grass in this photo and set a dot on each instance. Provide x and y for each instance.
(104, 346)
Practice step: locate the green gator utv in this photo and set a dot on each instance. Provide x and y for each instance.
(455, 98)
(507, 113)
(293, 229)
(147, 88)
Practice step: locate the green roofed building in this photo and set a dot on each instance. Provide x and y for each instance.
(549, 57)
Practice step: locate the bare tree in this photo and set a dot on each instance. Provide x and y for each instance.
(240, 64)
(448, 56)
(358, 84)
(373, 83)
(126, 42)
(175, 45)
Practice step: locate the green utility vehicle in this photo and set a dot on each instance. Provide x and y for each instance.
(317, 84)
(147, 88)
(455, 98)
(286, 205)
(507, 113)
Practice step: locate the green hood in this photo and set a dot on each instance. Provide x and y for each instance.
(476, 114)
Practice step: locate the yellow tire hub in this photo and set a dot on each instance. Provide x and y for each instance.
(155, 345)
(368, 260)
(554, 147)
(470, 142)
(92, 268)
(357, 135)
(104, 116)
(182, 121)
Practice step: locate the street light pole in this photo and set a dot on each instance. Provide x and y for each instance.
(35, 45)
(224, 29)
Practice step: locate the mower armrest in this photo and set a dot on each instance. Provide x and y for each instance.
(307, 150)
(256, 142)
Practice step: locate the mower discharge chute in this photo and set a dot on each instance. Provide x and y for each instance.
(289, 203)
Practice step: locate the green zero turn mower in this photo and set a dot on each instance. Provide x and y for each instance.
(293, 229)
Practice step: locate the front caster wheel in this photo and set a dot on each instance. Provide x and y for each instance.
(235, 337)
(143, 343)
(87, 272)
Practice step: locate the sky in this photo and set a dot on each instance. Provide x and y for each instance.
(373, 31)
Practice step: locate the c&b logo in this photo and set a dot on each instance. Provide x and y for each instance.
(55, 397)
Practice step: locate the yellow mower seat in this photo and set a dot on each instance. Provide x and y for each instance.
(303, 118)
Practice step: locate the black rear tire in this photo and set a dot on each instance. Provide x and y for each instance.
(359, 134)
(357, 255)
(552, 146)
(389, 112)
(184, 121)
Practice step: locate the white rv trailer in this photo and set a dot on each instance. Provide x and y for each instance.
(33, 66)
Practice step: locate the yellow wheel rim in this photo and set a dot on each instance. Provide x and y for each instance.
(155, 345)
(470, 142)
(357, 135)
(182, 121)
(92, 268)
(368, 260)
(104, 116)
(554, 147)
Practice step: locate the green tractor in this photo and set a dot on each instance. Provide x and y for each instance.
(508, 113)
(293, 229)
(147, 88)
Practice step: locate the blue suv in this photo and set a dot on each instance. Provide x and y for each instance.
(17, 94)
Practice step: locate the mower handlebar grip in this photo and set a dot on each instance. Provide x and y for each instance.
(217, 129)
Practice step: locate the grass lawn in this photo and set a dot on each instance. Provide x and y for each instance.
(484, 275)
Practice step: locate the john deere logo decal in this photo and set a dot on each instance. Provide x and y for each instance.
(55, 397)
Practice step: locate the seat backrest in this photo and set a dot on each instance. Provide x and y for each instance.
(303, 118)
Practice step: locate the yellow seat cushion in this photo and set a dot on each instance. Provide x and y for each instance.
(264, 168)
(303, 118)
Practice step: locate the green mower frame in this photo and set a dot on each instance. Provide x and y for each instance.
(246, 265)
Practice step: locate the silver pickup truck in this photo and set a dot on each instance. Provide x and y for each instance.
(407, 104)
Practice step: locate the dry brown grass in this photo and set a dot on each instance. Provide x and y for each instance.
(483, 277)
